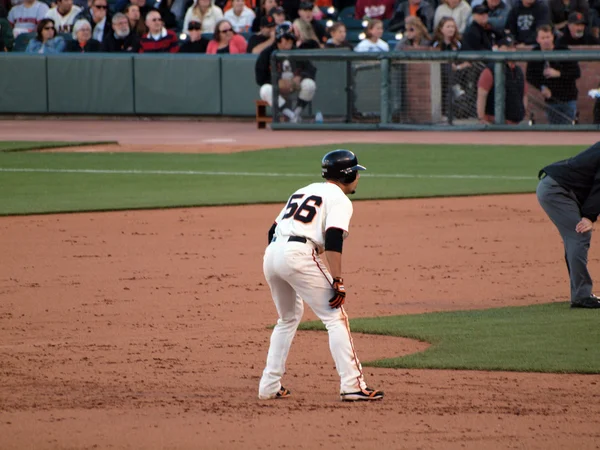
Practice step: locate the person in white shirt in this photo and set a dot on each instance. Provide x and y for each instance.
(25, 17)
(373, 41)
(240, 16)
(205, 12)
(459, 10)
(63, 15)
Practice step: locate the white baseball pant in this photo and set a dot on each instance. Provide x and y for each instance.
(307, 91)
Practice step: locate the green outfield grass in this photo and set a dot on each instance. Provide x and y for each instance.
(69, 182)
(540, 338)
(21, 146)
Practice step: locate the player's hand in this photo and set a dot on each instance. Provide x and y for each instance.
(340, 293)
(584, 225)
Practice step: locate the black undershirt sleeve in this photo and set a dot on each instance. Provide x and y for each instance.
(272, 232)
(334, 240)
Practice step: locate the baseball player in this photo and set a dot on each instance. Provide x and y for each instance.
(315, 221)
(569, 192)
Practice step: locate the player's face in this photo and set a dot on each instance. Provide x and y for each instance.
(354, 184)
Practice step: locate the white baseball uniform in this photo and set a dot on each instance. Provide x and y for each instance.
(63, 24)
(295, 272)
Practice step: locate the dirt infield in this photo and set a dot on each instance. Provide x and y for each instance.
(148, 330)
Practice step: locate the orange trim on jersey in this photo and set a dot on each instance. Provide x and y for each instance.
(347, 323)
(324, 272)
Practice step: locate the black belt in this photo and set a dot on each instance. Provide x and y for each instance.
(294, 239)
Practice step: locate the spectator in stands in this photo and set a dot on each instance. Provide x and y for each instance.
(415, 36)
(595, 18)
(166, 9)
(459, 10)
(240, 16)
(419, 8)
(82, 38)
(25, 17)
(141, 4)
(266, 9)
(264, 38)
(374, 9)
(291, 8)
(278, 15)
(46, 42)
(97, 15)
(225, 40)
(575, 32)
(205, 12)
(196, 43)
(525, 18)
(477, 35)
(158, 39)
(305, 34)
(556, 80)
(294, 76)
(305, 14)
(122, 39)
(515, 89)
(446, 36)
(63, 15)
(561, 9)
(373, 41)
(135, 22)
(497, 15)
(337, 31)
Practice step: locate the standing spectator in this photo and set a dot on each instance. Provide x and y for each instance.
(264, 38)
(556, 80)
(25, 17)
(97, 15)
(561, 9)
(82, 38)
(419, 8)
(158, 39)
(515, 90)
(225, 40)
(122, 39)
(497, 15)
(374, 9)
(240, 16)
(63, 15)
(338, 37)
(415, 35)
(575, 32)
(305, 14)
(373, 41)
(196, 43)
(459, 10)
(132, 12)
(478, 36)
(525, 18)
(46, 42)
(266, 9)
(205, 12)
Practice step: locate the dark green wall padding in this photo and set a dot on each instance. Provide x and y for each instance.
(23, 84)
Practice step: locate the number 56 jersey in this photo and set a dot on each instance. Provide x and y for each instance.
(313, 209)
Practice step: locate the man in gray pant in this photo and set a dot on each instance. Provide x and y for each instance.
(569, 192)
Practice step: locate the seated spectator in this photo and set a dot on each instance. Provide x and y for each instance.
(305, 34)
(515, 90)
(166, 8)
(82, 38)
(477, 35)
(497, 15)
(446, 36)
(264, 38)
(158, 39)
(556, 80)
(266, 9)
(415, 35)
(205, 12)
(278, 15)
(525, 18)
(229, 4)
(240, 16)
(196, 43)
(132, 12)
(337, 31)
(575, 32)
(305, 14)
(25, 17)
(122, 39)
(46, 42)
(374, 9)
(459, 10)
(225, 40)
(141, 4)
(63, 15)
(419, 8)
(97, 16)
(561, 9)
(373, 41)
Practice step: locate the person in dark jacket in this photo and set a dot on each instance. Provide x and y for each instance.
(569, 192)
(122, 39)
(82, 39)
(478, 36)
(497, 15)
(196, 43)
(525, 18)
(422, 9)
(556, 80)
(99, 17)
(560, 10)
(575, 32)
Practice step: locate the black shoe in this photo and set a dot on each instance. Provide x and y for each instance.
(591, 302)
(362, 395)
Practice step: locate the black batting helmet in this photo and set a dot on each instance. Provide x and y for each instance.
(340, 165)
(284, 30)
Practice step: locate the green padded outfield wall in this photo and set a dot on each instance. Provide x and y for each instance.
(90, 85)
(177, 84)
(330, 97)
(238, 85)
(23, 84)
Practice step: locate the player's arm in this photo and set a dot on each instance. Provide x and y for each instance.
(272, 232)
(334, 240)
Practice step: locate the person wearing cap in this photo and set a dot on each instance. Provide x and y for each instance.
(305, 14)
(278, 15)
(497, 15)
(525, 18)
(560, 10)
(264, 38)
(240, 16)
(575, 32)
(195, 43)
(478, 36)
(374, 9)
(264, 10)
(515, 89)
(295, 77)
(419, 8)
